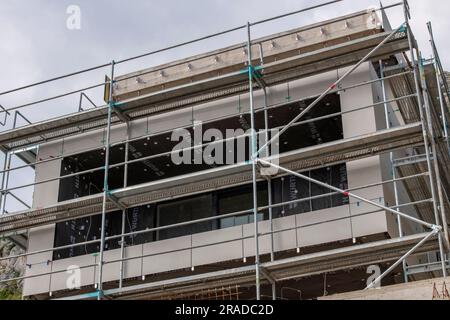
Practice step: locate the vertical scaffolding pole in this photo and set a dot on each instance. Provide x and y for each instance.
(3, 193)
(253, 155)
(105, 185)
(269, 195)
(391, 159)
(437, 66)
(439, 80)
(429, 125)
(267, 154)
(269, 179)
(5, 182)
(124, 212)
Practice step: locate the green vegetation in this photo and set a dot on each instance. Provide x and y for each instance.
(13, 290)
(8, 294)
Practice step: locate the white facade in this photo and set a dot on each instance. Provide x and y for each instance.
(303, 234)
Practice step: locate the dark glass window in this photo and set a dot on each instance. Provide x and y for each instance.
(241, 199)
(185, 210)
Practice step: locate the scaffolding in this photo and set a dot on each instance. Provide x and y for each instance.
(425, 174)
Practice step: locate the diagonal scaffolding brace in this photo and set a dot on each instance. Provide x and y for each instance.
(436, 230)
(349, 194)
(403, 258)
(332, 87)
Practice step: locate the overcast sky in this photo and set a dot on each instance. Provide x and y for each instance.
(35, 43)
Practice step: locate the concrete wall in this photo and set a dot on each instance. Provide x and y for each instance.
(360, 172)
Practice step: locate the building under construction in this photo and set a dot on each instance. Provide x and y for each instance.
(353, 171)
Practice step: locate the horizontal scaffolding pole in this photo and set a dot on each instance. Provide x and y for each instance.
(56, 78)
(57, 96)
(244, 26)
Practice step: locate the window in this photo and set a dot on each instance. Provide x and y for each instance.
(241, 199)
(185, 210)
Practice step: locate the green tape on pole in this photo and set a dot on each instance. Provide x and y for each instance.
(257, 74)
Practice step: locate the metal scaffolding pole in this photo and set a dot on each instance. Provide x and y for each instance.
(347, 194)
(403, 258)
(331, 87)
(124, 212)
(440, 83)
(105, 184)
(439, 79)
(253, 157)
(267, 154)
(4, 173)
(436, 208)
(5, 181)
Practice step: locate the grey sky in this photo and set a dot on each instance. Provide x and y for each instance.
(35, 43)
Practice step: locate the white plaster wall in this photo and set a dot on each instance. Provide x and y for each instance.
(43, 237)
(366, 171)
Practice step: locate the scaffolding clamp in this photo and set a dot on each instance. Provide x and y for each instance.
(436, 229)
(119, 113)
(116, 201)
